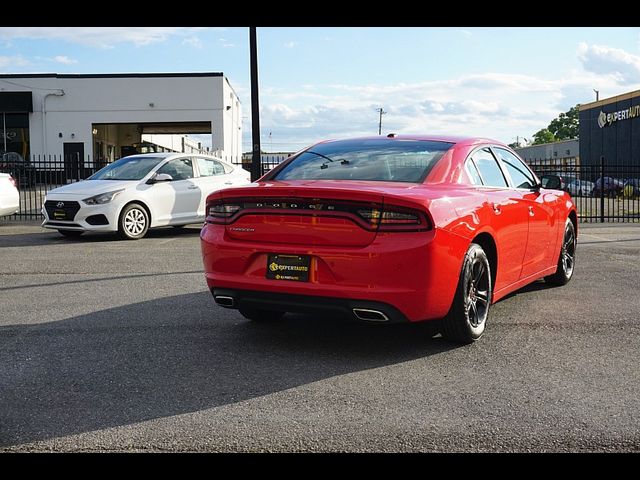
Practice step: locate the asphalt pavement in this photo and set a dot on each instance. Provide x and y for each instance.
(110, 345)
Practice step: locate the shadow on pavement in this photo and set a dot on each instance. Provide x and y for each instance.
(532, 287)
(173, 356)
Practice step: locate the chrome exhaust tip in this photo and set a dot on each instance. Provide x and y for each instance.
(370, 315)
(224, 301)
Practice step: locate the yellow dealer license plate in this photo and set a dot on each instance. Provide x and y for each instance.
(288, 267)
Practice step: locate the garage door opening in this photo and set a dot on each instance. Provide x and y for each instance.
(112, 141)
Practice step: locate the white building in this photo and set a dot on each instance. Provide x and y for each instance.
(103, 117)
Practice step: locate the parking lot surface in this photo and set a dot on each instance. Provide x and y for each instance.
(110, 345)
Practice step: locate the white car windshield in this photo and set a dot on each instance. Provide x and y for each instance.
(127, 168)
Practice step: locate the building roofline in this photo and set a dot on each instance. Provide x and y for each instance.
(607, 101)
(111, 75)
(232, 89)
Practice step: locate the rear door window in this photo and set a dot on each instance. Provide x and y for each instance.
(209, 167)
(488, 168)
(520, 175)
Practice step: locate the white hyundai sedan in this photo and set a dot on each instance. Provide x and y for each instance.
(140, 192)
(9, 196)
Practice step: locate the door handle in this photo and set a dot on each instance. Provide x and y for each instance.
(496, 208)
(531, 214)
(228, 183)
(192, 187)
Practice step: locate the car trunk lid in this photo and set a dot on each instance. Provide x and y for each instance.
(314, 215)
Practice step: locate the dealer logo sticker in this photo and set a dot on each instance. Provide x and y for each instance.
(273, 267)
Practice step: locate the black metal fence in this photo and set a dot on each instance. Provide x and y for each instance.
(38, 174)
(268, 160)
(601, 192)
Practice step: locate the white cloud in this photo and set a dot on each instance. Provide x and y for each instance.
(102, 37)
(605, 60)
(13, 61)
(493, 105)
(226, 43)
(64, 60)
(192, 41)
(290, 44)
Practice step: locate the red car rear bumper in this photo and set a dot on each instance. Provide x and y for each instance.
(415, 273)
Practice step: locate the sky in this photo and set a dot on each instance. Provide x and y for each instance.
(318, 83)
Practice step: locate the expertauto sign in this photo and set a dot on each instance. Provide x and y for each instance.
(605, 119)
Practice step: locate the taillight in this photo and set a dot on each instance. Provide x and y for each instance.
(13, 181)
(219, 212)
(395, 219)
(371, 216)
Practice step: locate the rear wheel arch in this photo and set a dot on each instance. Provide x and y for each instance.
(488, 244)
(466, 320)
(574, 219)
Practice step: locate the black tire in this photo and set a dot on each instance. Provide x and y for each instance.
(258, 315)
(566, 258)
(467, 317)
(133, 223)
(71, 233)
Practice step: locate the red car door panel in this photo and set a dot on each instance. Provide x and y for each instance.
(510, 225)
(541, 242)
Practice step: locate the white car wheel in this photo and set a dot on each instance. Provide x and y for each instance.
(134, 222)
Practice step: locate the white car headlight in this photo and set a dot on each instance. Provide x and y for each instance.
(102, 198)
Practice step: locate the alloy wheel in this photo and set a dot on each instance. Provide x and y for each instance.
(477, 293)
(135, 222)
(568, 251)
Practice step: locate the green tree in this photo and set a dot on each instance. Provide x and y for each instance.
(543, 136)
(566, 125)
(563, 127)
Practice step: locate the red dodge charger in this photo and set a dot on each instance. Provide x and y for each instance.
(389, 229)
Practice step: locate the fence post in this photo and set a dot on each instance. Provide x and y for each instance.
(602, 188)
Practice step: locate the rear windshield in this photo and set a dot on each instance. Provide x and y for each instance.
(388, 160)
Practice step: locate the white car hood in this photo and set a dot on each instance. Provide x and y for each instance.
(92, 187)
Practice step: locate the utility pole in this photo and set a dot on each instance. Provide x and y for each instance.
(256, 165)
(382, 112)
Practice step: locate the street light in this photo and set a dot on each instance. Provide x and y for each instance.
(597, 94)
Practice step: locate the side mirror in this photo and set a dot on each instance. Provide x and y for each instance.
(160, 177)
(551, 181)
